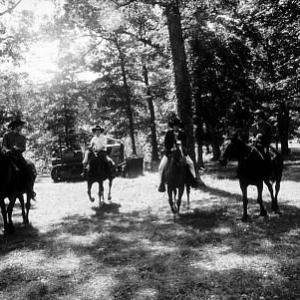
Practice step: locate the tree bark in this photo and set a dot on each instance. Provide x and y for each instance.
(155, 157)
(182, 80)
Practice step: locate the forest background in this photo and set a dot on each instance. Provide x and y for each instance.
(129, 65)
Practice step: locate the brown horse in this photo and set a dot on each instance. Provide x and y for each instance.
(13, 185)
(98, 171)
(254, 169)
(176, 177)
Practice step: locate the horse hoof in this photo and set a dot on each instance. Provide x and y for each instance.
(92, 199)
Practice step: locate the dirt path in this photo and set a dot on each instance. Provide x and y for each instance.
(132, 248)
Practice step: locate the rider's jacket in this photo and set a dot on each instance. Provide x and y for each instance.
(264, 131)
(13, 139)
(172, 138)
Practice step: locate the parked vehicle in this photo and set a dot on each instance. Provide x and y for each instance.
(67, 157)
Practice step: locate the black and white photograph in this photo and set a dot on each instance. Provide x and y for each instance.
(150, 149)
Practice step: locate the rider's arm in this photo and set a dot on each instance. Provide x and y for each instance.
(92, 143)
(116, 141)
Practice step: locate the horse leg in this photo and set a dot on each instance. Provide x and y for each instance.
(4, 214)
(28, 206)
(174, 200)
(10, 207)
(275, 206)
(188, 189)
(89, 188)
(109, 189)
(180, 193)
(21, 199)
(263, 211)
(100, 193)
(170, 198)
(245, 201)
(270, 188)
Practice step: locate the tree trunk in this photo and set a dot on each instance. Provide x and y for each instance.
(182, 80)
(155, 157)
(199, 140)
(127, 98)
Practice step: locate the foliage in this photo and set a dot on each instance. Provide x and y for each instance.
(242, 55)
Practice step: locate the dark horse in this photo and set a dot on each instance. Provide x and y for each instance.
(176, 176)
(12, 186)
(254, 169)
(98, 171)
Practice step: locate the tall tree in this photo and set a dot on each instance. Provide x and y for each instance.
(182, 79)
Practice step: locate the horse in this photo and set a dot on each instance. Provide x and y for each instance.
(98, 171)
(12, 186)
(176, 176)
(254, 169)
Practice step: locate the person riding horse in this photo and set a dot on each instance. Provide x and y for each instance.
(173, 137)
(261, 134)
(14, 143)
(98, 147)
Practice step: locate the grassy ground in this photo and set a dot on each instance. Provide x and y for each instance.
(132, 248)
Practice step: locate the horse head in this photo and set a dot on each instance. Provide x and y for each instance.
(232, 148)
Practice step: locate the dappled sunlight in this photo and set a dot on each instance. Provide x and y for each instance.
(98, 286)
(65, 263)
(221, 259)
(82, 240)
(23, 258)
(222, 230)
(132, 248)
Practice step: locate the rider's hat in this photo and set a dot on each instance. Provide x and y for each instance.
(15, 123)
(175, 122)
(96, 128)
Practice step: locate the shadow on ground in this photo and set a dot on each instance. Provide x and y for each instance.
(198, 256)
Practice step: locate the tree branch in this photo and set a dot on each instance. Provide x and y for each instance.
(10, 9)
(128, 2)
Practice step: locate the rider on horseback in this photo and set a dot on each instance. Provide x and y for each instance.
(98, 146)
(173, 137)
(14, 143)
(261, 133)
